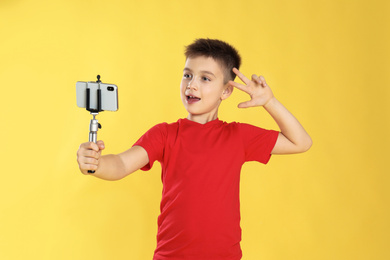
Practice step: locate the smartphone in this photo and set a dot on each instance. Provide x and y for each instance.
(108, 95)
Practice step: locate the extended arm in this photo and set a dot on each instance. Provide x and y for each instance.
(111, 166)
(292, 137)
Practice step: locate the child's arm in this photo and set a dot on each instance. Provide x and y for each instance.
(292, 138)
(111, 166)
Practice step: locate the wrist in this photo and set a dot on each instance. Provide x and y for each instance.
(271, 102)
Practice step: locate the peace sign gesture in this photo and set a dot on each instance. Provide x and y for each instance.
(256, 88)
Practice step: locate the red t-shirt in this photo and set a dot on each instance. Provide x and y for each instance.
(201, 163)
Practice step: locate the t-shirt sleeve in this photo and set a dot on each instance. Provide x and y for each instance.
(258, 142)
(153, 141)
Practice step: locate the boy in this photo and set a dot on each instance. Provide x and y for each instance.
(201, 156)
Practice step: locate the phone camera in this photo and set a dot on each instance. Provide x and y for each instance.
(110, 88)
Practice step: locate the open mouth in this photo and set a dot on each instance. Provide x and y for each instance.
(192, 98)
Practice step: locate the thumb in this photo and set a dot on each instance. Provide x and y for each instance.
(246, 104)
(100, 144)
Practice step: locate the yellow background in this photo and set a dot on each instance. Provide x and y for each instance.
(327, 61)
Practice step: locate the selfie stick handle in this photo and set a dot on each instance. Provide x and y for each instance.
(93, 128)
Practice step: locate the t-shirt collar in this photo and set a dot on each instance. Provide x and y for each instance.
(188, 122)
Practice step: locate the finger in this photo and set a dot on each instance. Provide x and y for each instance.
(82, 161)
(91, 154)
(84, 152)
(89, 146)
(87, 154)
(246, 104)
(94, 146)
(89, 164)
(256, 79)
(239, 86)
(89, 160)
(262, 80)
(241, 76)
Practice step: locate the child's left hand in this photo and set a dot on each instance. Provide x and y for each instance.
(256, 88)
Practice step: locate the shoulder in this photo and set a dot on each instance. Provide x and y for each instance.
(249, 131)
(164, 127)
(238, 126)
(245, 126)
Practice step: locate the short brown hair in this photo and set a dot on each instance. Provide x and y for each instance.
(223, 53)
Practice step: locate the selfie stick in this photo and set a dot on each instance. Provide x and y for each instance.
(93, 128)
(94, 125)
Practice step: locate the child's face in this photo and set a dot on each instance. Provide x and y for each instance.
(202, 88)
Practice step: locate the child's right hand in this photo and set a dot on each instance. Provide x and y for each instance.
(258, 90)
(88, 156)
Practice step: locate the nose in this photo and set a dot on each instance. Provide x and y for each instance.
(192, 84)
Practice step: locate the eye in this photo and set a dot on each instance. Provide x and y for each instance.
(206, 79)
(186, 76)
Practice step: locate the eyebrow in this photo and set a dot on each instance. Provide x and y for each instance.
(203, 71)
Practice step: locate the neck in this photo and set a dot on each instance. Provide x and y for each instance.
(202, 119)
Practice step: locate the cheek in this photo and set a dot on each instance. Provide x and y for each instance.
(212, 93)
(182, 91)
(183, 83)
(182, 86)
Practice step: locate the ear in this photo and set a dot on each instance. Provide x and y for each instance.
(227, 92)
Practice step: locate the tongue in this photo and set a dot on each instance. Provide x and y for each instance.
(193, 100)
